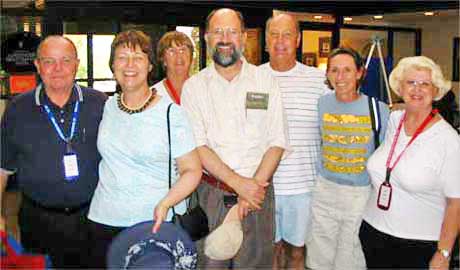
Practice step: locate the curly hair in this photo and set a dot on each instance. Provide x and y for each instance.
(417, 63)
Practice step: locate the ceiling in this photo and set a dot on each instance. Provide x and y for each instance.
(339, 7)
(395, 12)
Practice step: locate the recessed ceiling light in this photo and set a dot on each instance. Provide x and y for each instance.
(318, 17)
(429, 13)
(348, 19)
(378, 17)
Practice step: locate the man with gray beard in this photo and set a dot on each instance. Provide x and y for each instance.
(237, 116)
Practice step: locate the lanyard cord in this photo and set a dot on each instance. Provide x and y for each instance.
(398, 131)
(58, 129)
(173, 91)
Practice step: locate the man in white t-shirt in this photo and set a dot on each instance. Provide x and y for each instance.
(301, 86)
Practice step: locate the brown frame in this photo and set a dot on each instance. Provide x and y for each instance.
(309, 59)
(324, 46)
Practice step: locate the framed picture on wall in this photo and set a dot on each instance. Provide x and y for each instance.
(324, 45)
(253, 49)
(309, 59)
(456, 60)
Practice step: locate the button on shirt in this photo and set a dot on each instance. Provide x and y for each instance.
(217, 110)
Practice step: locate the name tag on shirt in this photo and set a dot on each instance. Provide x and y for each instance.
(70, 167)
(257, 101)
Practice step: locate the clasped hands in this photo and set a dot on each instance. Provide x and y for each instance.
(251, 195)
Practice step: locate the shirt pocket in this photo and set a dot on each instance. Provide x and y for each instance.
(256, 122)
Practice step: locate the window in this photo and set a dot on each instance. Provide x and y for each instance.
(94, 54)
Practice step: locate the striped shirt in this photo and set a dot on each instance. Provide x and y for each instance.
(301, 87)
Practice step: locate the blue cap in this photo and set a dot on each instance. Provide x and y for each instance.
(137, 247)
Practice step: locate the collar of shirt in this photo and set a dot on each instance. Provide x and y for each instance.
(41, 97)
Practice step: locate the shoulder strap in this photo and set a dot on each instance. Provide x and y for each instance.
(374, 113)
(169, 150)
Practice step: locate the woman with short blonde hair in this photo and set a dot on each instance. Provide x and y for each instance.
(412, 216)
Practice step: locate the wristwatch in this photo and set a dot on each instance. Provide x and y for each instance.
(444, 252)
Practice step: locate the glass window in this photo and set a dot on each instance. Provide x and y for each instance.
(101, 56)
(81, 43)
(316, 46)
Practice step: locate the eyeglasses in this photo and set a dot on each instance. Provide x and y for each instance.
(177, 51)
(220, 32)
(49, 61)
(421, 84)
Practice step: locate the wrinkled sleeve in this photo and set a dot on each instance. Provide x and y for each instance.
(191, 103)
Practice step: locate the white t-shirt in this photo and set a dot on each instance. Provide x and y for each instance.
(301, 88)
(427, 173)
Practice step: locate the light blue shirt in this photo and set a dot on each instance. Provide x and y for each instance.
(347, 139)
(134, 168)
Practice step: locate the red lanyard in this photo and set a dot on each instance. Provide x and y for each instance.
(398, 131)
(173, 91)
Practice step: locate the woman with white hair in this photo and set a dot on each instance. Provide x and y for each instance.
(412, 217)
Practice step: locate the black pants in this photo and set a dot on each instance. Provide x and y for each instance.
(383, 251)
(101, 236)
(62, 236)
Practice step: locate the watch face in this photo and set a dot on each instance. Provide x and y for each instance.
(444, 253)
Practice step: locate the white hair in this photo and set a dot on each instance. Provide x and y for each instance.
(419, 62)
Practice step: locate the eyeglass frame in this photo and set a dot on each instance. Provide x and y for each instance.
(173, 51)
(220, 32)
(412, 84)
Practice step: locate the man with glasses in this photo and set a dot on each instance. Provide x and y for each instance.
(295, 177)
(236, 112)
(48, 141)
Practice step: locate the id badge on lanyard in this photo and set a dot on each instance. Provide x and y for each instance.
(385, 192)
(70, 159)
(70, 162)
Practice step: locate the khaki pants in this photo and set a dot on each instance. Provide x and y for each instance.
(336, 216)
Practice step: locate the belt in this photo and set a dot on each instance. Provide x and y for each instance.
(61, 210)
(212, 181)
